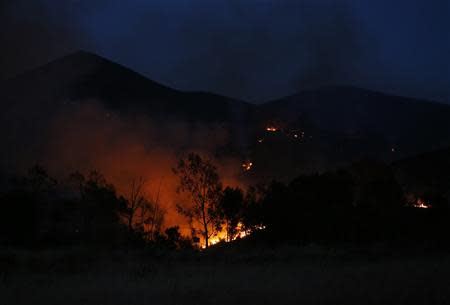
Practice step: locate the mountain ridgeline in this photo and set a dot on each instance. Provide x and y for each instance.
(311, 131)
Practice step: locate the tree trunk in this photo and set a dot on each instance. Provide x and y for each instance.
(205, 226)
(130, 222)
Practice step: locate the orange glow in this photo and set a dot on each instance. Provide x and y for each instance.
(421, 204)
(247, 165)
(124, 150)
(271, 129)
(222, 235)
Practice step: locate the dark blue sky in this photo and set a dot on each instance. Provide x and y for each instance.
(251, 49)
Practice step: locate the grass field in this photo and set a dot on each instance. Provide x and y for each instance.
(286, 275)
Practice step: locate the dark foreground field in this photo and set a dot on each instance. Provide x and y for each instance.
(287, 275)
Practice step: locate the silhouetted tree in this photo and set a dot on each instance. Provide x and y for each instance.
(230, 209)
(142, 215)
(152, 216)
(173, 234)
(26, 209)
(376, 186)
(175, 240)
(275, 214)
(253, 214)
(38, 181)
(322, 204)
(134, 202)
(200, 180)
(99, 208)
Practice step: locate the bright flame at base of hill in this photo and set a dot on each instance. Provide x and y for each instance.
(222, 235)
(421, 204)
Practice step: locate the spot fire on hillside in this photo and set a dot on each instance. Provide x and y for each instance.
(247, 166)
(421, 204)
(241, 233)
(272, 128)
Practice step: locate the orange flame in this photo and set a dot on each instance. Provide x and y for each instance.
(271, 129)
(222, 235)
(247, 165)
(421, 204)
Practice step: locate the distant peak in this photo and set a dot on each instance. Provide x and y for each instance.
(79, 60)
(81, 52)
(338, 88)
(84, 55)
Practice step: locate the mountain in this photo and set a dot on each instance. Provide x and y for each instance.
(407, 125)
(311, 131)
(44, 101)
(340, 125)
(82, 76)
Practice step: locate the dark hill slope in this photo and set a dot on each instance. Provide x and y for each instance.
(35, 102)
(316, 129)
(408, 125)
(342, 125)
(82, 76)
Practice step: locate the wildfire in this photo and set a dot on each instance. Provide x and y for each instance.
(271, 129)
(247, 165)
(214, 241)
(222, 235)
(421, 204)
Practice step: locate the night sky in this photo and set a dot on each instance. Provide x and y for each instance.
(254, 50)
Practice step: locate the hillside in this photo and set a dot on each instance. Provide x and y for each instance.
(82, 76)
(408, 125)
(311, 131)
(88, 93)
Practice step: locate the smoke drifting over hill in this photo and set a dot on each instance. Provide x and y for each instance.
(85, 136)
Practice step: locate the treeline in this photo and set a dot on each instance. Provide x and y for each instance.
(39, 211)
(363, 203)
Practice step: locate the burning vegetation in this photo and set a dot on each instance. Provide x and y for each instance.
(421, 204)
(214, 213)
(223, 235)
(196, 205)
(294, 133)
(247, 166)
(271, 128)
(332, 205)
